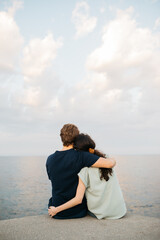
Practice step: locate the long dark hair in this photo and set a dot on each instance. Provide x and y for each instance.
(84, 142)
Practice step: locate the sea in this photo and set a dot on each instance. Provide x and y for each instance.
(25, 187)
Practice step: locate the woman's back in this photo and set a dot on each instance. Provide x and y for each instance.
(104, 198)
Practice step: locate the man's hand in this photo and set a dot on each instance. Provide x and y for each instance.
(52, 211)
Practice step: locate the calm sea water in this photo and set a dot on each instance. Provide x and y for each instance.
(25, 188)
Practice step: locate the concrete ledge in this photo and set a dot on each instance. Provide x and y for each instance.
(131, 227)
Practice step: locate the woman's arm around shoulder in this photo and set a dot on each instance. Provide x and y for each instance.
(52, 211)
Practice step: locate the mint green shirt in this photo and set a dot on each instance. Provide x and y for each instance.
(104, 198)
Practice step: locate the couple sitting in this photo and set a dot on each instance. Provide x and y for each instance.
(83, 180)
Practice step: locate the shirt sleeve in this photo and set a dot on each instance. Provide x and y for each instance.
(47, 168)
(88, 159)
(83, 174)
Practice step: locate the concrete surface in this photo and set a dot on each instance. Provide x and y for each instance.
(131, 227)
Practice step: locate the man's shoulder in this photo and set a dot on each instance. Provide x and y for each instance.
(51, 157)
(84, 153)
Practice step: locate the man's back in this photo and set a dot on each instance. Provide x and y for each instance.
(62, 168)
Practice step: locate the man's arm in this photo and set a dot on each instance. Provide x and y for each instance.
(47, 170)
(71, 203)
(104, 163)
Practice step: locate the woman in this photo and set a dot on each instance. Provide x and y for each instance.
(101, 187)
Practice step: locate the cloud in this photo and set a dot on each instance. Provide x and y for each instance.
(29, 83)
(124, 44)
(39, 54)
(102, 10)
(11, 42)
(40, 92)
(128, 55)
(120, 93)
(41, 83)
(83, 22)
(117, 101)
(15, 6)
(157, 23)
(123, 84)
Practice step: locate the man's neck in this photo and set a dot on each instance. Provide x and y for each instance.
(67, 147)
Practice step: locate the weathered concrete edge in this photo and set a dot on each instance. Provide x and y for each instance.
(133, 227)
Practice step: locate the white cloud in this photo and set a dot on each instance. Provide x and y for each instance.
(10, 42)
(123, 84)
(15, 6)
(31, 96)
(41, 84)
(83, 22)
(120, 94)
(117, 102)
(40, 92)
(28, 90)
(157, 23)
(39, 54)
(128, 53)
(102, 9)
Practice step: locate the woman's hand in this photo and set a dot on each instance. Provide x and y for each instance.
(52, 211)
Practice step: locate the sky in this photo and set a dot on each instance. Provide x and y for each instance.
(93, 63)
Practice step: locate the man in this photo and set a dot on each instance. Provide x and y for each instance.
(63, 167)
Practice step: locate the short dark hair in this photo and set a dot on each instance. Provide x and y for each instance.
(68, 133)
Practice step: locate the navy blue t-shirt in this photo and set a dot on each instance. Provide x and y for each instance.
(62, 168)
